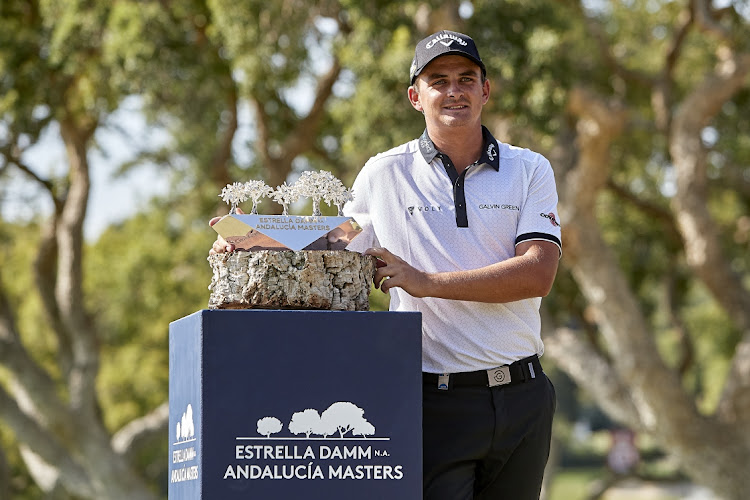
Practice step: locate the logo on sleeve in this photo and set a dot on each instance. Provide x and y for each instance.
(551, 218)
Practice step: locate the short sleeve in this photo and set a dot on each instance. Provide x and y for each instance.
(539, 217)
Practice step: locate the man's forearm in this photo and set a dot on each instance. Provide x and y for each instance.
(528, 274)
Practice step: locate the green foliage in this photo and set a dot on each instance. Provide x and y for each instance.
(25, 85)
(528, 48)
(379, 60)
(142, 275)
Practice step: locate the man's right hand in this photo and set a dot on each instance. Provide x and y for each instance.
(221, 245)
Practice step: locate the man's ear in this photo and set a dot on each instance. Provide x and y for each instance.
(486, 91)
(414, 98)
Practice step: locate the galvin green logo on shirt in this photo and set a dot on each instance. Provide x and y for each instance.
(495, 206)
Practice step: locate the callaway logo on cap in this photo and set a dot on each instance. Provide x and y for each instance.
(440, 44)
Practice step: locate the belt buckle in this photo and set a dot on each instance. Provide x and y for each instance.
(498, 376)
(443, 381)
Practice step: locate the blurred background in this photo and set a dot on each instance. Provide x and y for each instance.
(120, 122)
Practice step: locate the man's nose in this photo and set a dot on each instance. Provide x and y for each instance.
(454, 89)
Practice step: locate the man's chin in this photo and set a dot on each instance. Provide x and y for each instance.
(454, 121)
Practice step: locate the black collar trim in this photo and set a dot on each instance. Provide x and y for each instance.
(489, 156)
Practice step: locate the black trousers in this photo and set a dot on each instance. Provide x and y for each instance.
(488, 443)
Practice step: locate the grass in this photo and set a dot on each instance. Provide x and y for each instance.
(573, 483)
(576, 484)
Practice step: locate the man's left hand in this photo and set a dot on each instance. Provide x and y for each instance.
(393, 271)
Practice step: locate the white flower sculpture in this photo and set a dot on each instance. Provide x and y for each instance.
(346, 196)
(233, 195)
(337, 194)
(256, 190)
(315, 185)
(285, 195)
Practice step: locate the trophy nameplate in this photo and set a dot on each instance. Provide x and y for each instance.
(252, 232)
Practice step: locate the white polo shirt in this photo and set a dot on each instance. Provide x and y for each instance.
(411, 201)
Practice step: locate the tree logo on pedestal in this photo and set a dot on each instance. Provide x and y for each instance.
(185, 427)
(340, 419)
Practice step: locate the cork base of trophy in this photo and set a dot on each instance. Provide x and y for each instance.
(336, 280)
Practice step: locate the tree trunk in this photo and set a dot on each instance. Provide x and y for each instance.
(702, 243)
(712, 452)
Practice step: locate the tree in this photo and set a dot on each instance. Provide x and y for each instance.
(304, 422)
(636, 381)
(268, 426)
(55, 78)
(364, 429)
(345, 417)
(61, 75)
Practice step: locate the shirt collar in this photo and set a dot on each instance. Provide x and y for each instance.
(489, 156)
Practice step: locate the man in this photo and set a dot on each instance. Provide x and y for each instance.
(465, 229)
(466, 232)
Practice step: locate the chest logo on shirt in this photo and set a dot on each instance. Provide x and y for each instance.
(495, 206)
(424, 209)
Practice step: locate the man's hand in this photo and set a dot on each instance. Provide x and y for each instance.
(393, 271)
(221, 245)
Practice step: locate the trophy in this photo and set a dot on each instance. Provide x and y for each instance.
(290, 261)
(253, 231)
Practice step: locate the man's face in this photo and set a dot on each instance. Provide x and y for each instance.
(450, 92)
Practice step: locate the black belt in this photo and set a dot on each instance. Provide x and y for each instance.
(514, 373)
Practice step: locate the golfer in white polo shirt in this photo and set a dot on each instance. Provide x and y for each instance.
(467, 232)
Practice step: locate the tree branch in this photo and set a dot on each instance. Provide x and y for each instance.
(37, 383)
(262, 130)
(596, 375)
(705, 18)
(141, 432)
(45, 277)
(45, 444)
(664, 408)
(661, 93)
(302, 138)
(23, 167)
(596, 31)
(687, 356)
(223, 152)
(652, 210)
(596, 270)
(703, 247)
(69, 282)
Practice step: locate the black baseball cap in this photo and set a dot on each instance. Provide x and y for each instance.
(444, 43)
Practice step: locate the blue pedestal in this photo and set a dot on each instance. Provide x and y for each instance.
(295, 404)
